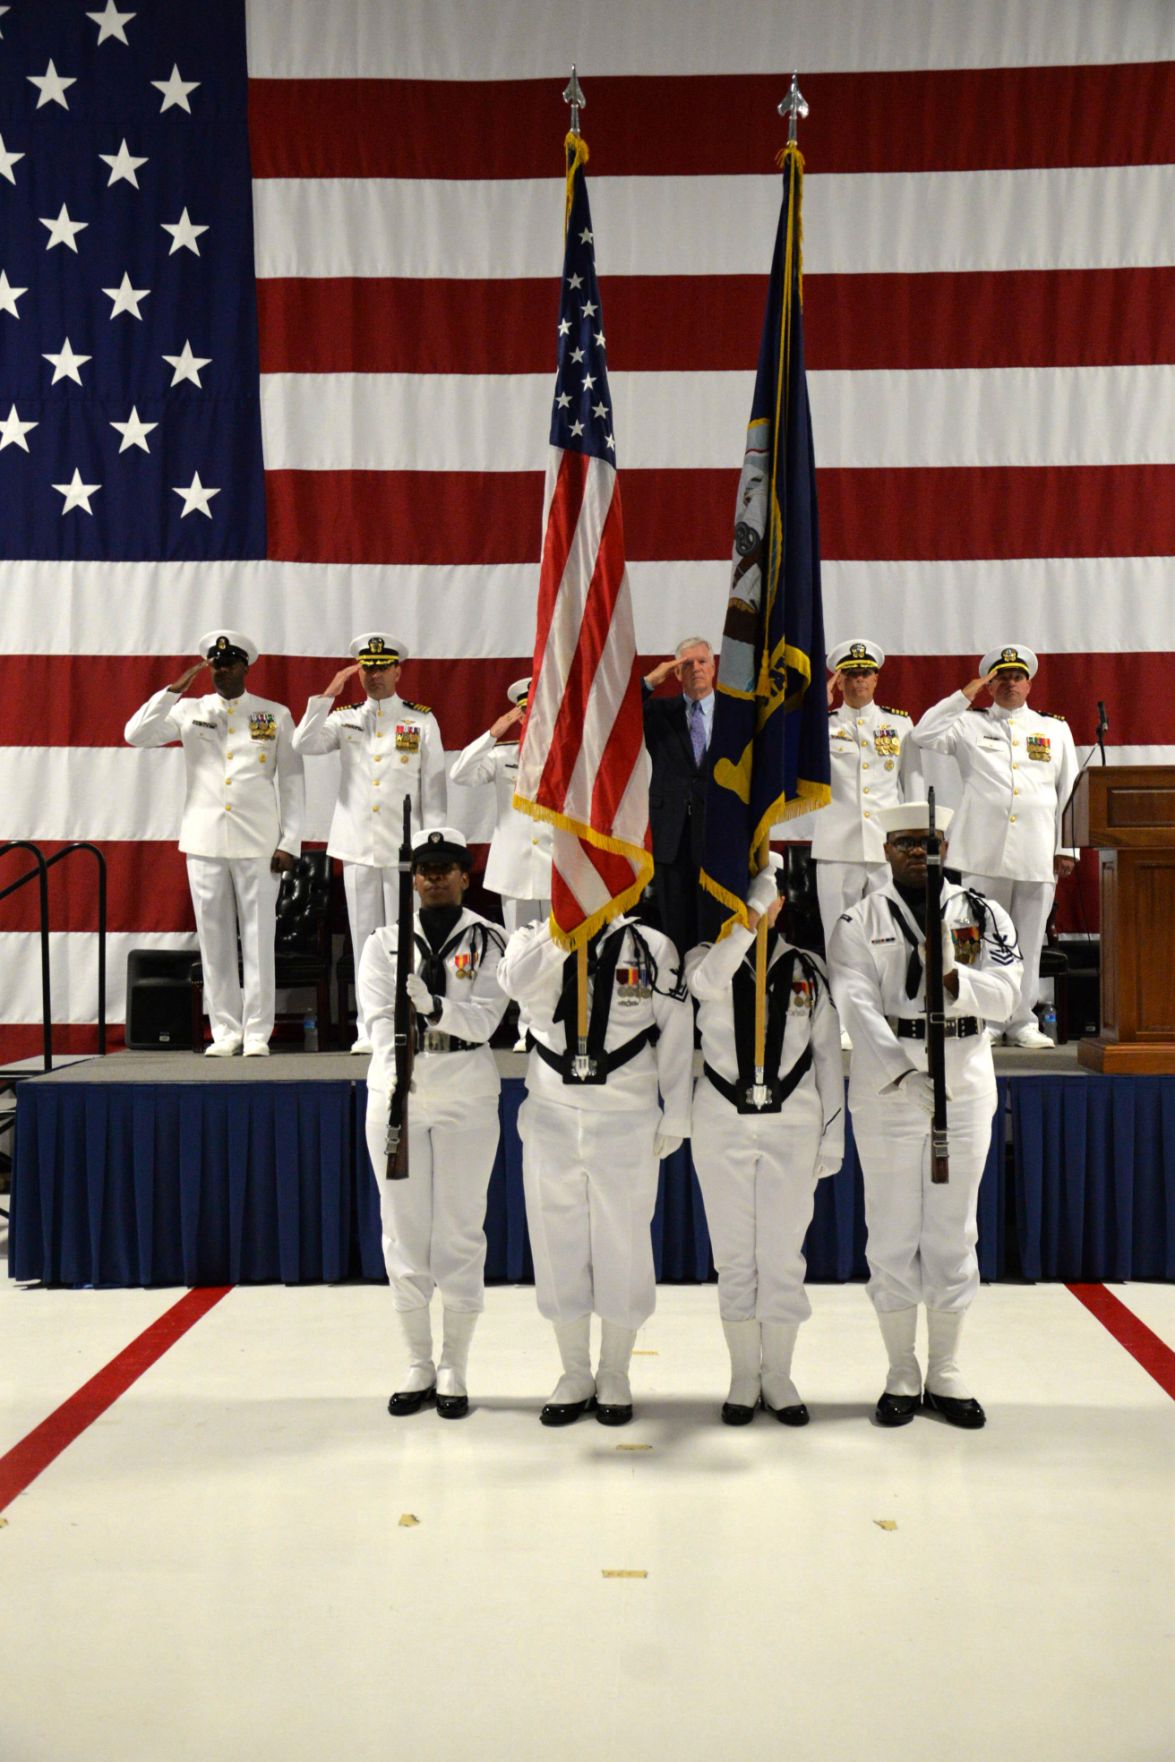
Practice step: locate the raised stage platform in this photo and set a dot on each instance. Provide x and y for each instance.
(168, 1169)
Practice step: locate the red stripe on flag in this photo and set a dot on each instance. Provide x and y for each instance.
(1144, 1346)
(33, 1455)
(875, 121)
(916, 512)
(146, 882)
(563, 516)
(711, 323)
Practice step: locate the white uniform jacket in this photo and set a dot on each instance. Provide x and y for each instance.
(245, 794)
(874, 765)
(868, 959)
(532, 973)
(388, 749)
(519, 863)
(1018, 772)
(472, 1007)
(811, 1021)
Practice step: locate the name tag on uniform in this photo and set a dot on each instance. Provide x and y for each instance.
(211, 725)
(1040, 747)
(632, 985)
(886, 742)
(407, 737)
(262, 726)
(463, 964)
(966, 940)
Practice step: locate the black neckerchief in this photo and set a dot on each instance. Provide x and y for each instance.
(908, 896)
(438, 923)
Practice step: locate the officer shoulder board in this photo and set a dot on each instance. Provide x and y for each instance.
(421, 709)
(889, 710)
(1053, 715)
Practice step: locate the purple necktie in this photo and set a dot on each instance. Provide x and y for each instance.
(697, 733)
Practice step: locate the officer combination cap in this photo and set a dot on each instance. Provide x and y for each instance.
(912, 816)
(441, 844)
(1003, 660)
(519, 691)
(227, 646)
(375, 648)
(858, 656)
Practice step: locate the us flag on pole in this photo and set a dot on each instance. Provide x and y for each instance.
(583, 764)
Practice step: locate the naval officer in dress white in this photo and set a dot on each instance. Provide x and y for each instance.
(518, 868)
(389, 748)
(241, 828)
(1018, 770)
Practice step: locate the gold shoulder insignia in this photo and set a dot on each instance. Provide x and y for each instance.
(421, 709)
(889, 710)
(1054, 715)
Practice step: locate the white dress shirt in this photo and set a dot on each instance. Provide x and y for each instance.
(389, 749)
(874, 764)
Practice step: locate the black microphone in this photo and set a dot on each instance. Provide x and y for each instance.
(1103, 728)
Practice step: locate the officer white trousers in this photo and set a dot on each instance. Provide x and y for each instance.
(1028, 904)
(841, 885)
(434, 1221)
(921, 1242)
(227, 893)
(373, 899)
(758, 1179)
(591, 1185)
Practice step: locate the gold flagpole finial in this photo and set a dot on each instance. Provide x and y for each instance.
(794, 106)
(573, 95)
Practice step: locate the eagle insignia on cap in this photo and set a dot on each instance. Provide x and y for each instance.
(1009, 655)
(222, 642)
(435, 838)
(857, 652)
(376, 645)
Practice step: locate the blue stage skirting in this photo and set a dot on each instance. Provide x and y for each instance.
(228, 1183)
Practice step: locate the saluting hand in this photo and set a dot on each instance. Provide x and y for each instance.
(660, 674)
(185, 679)
(340, 679)
(836, 683)
(510, 719)
(973, 690)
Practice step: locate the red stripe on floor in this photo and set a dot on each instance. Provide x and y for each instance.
(26, 1460)
(1154, 1355)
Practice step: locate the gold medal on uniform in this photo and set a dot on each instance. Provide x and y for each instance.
(885, 742)
(966, 940)
(407, 737)
(1040, 747)
(262, 725)
(463, 965)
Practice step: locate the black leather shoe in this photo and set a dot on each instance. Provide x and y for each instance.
(955, 1411)
(789, 1416)
(896, 1410)
(611, 1414)
(452, 1406)
(411, 1401)
(733, 1414)
(564, 1413)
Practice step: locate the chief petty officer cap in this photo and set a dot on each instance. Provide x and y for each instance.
(1012, 654)
(375, 648)
(912, 816)
(227, 645)
(440, 844)
(857, 656)
(519, 691)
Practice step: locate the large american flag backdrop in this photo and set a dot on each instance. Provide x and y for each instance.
(990, 312)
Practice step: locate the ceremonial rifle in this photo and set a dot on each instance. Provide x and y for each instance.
(404, 1017)
(936, 1050)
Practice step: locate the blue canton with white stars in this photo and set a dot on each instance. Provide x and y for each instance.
(581, 420)
(130, 407)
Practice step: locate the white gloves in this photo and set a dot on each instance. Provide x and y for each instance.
(420, 994)
(763, 891)
(829, 1159)
(918, 1088)
(664, 1144)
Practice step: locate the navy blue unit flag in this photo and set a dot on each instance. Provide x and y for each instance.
(769, 744)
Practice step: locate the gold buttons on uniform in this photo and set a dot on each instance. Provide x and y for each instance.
(378, 757)
(1013, 821)
(865, 791)
(865, 766)
(1015, 792)
(228, 807)
(866, 813)
(375, 782)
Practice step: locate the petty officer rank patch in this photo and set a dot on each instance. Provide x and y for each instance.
(463, 967)
(1039, 747)
(632, 985)
(407, 737)
(966, 940)
(262, 726)
(885, 742)
(801, 996)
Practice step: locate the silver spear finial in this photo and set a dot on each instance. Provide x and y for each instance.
(573, 95)
(794, 106)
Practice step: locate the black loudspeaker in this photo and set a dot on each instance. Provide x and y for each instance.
(159, 999)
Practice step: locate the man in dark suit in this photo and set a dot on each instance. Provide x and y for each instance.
(677, 734)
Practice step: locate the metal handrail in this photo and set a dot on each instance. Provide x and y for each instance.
(44, 864)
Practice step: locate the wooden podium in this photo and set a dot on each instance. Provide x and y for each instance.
(1128, 813)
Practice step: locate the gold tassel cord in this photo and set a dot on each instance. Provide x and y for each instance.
(576, 149)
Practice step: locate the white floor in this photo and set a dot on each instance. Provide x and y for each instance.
(217, 1568)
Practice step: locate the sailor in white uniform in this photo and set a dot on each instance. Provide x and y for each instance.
(1019, 769)
(434, 1220)
(759, 1155)
(389, 748)
(592, 1145)
(241, 829)
(922, 1235)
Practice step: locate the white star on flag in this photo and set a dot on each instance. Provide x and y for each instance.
(77, 494)
(66, 364)
(3, 10)
(175, 91)
(134, 431)
(123, 165)
(13, 431)
(599, 339)
(9, 295)
(62, 231)
(577, 354)
(575, 281)
(183, 232)
(577, 428)
(563, 400)
(588, 381)
(187, 365)
(196, 497)
(126, 298)
(52, 86)
(600, 409)
(587, 237)
(110, 23)
(564, 326)
(7, 161)
(588, 310)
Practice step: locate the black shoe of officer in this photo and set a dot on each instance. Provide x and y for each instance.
(734, 1414)
(411, 1401)
(565, 1413)
(789, 1416)
(452, 1406)
(896, 1410)
(955, 1410)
